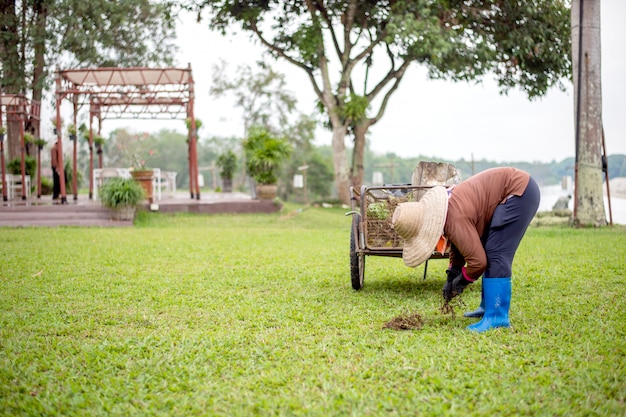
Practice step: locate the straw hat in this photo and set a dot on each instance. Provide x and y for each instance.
(420, 224)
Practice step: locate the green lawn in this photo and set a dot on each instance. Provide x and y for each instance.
(254, 315)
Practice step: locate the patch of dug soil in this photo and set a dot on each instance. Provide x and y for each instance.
(411, 322)
(449, 307)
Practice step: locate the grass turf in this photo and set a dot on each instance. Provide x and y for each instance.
(254, 315)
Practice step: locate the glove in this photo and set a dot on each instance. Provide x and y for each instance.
(455, 287)
(452, 273)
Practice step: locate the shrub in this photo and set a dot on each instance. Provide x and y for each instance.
(121, 192)
(15, 166)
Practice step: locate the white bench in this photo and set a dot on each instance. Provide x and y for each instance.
(15, 187)
(167, 181)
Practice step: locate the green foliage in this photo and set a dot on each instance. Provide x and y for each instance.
(98, 141)
(308, 41)
(137, 322)
(227, 162)
(355, 108)
(108, 34)
(523, 44)
(265, 155)
(28, 138)
(188, 124)
(46, 186)
(38, 36)
(69, 175)
(121, 192)
(30, 164)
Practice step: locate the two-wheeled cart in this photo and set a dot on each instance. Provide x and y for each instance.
(372, 210)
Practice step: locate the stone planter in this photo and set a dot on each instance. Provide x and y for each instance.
(227, 185)
(123, 213)
(266, 191)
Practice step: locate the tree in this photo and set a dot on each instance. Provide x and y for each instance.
(42, 34)
(261, 95)
(523, 44)
(586, 52)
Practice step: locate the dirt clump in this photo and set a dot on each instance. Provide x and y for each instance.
(449, 307)
(413, 321)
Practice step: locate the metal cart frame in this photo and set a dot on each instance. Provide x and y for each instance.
(368, 225)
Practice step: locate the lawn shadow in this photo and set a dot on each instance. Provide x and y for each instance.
(404, 285)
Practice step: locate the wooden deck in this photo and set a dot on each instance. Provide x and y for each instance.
(83, 212)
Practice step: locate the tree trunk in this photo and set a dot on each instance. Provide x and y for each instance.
(41, 13)
(588, 201)
(12, 73)
(340, 162)
(358, 170)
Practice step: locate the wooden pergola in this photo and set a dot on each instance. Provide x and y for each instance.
(128, 93)
(18, 110)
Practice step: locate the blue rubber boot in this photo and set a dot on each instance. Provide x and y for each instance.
(480, 311)
(497, 303)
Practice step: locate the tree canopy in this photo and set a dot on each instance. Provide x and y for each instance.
(39, 35)
(356, 52)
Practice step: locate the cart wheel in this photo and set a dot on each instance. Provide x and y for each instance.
(357, 259)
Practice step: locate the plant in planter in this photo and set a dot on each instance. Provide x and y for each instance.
(122, 196)
(3, 131)
(227, 163)
(71, 131)
(53, 120)
(265, 155)
(98, 141)
(137, 153)
(40, 143)
(29, 139)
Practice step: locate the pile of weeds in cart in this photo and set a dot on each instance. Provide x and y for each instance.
(239, 315)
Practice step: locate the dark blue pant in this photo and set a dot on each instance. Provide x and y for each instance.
(508, 225)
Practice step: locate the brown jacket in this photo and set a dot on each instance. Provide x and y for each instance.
(54, 156)
(470, 208)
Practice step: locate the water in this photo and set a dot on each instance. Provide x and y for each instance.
(551, 193)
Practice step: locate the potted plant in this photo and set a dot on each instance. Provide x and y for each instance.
(53, 120)
(139, 154)
(28, 140)
(40, 143)
(122, 196)
(71, 130)
(265, 155)
(99, 142)
(227, 163)
(3, 130)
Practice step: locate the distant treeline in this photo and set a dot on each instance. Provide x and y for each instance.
(396, 169)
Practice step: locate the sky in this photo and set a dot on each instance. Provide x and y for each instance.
(438, 119)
